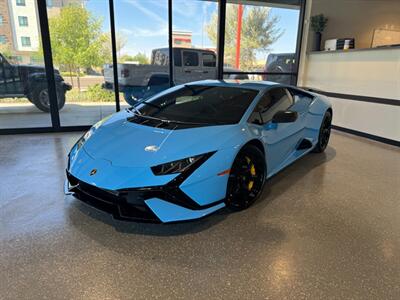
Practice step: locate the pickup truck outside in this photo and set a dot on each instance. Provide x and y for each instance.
(19, 81)
(141, 81)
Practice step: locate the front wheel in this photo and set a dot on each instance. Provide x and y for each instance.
(324, 133)
(246, 178)
(40, 97)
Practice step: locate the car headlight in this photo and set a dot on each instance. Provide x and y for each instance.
(181, 165)
(89, 133)
(84, 138)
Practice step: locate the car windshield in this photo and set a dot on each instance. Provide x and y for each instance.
(199, 104)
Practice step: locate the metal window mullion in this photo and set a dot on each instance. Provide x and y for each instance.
(170, 45)
(221, 38)
(299, 41)
(48, 62)
(114, 55)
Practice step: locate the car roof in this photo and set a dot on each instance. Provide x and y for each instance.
(248, 84)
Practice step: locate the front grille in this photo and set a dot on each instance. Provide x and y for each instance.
(117, 205)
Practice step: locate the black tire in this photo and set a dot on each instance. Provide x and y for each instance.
(40, 97)
(246, 178)
(324, 133)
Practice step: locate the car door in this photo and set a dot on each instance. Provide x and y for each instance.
(280, 139)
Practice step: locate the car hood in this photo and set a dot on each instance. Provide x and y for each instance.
(124, 143)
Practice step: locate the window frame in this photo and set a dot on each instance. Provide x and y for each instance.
(26, 38)
(20, 2)
(23, 24)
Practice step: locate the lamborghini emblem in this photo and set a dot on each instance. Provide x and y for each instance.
(152, 148)
(94, 171)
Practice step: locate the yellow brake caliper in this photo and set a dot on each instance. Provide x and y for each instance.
(252, 172)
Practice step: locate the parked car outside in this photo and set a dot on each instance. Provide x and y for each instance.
(279, 63)
(19, 81)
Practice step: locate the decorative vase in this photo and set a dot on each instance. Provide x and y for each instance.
(317, 41)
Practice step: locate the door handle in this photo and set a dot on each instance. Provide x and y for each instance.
(205, 72)
(188, 71)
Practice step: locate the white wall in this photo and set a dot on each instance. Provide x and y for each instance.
(377, 119)
(371, 72)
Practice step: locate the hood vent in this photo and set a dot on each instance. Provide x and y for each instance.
(162, 124)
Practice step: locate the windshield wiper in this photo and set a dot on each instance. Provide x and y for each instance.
(135, 110)
(172, 121)
(183, 122)
(151, 104)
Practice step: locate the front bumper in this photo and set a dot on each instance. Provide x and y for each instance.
(167, 203)
(112, 202)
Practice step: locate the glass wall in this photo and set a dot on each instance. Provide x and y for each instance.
(194, 39)
(260, 39)
(142, 48)
(81, 47)
(24, 100)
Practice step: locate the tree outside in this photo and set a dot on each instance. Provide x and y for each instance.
(120, 42)
(77, 40)
(259, 33)
(139, 58)
(5, 49)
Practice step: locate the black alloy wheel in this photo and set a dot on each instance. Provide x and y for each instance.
(246, 178)
(324, 133)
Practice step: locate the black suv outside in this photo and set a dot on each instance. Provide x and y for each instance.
(18, 81)
(279, 63)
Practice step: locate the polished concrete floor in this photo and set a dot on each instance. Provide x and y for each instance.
(327, 227)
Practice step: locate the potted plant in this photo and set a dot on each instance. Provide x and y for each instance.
(318, 24)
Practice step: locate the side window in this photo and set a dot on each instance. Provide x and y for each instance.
(177, 58)
(271, 102)
(190, 59)
(262, 105)
(209, 60)
(301, 100)
(280, 100)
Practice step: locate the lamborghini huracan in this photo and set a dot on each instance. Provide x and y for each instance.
(196, 148)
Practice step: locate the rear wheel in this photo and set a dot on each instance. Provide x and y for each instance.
(324, 133)
(40, 97)
(246, 178)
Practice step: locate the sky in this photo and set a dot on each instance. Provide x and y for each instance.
(144, 23)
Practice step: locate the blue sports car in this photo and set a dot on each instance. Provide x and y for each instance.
(196, 148)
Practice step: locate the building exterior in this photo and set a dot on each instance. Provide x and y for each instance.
(19, 26)
(5, 27)
(182, 39)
